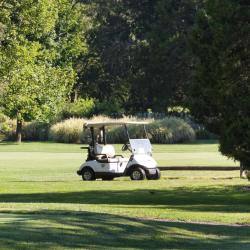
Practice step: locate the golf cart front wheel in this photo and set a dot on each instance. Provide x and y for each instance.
(137, 174)
(88, 174)
(156, 176)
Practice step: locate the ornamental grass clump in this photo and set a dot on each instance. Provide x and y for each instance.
(67, 131)
(35, 131)
(169, 130)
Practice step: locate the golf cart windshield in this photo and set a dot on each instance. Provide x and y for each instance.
(141, 146)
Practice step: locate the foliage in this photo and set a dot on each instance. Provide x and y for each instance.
(79, 108)
(109, 107)
(35, 92)
(35, 131)
(248, 174)
(221, 93)
(31, 131)
(162, 55)
(203, 134)
(169, 130)
(166, 131)
(68, 131)
(138, 53)
(36, 73)
(6, 126)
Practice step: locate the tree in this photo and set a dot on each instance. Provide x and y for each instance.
(221, 91)
(163, 58)
(138, 53)
(36, 79)
(105, 70)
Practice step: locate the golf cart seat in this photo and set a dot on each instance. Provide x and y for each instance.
(106, 153)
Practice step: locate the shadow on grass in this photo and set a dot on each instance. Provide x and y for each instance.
(64, 229)
(217, 199)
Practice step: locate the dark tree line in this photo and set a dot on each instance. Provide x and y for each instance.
(139, 55)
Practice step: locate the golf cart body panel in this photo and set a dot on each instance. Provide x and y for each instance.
(103, 162)
(103, 167)
(142, 153)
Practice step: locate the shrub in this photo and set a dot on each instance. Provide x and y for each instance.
(80, 108)
(168, 130)
(203, 134)
(67, 131)
(3, 118)
(111, 107)
(32, 131)
(7, 127)
(71, 130)
(35, 131)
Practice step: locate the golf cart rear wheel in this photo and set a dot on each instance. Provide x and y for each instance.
(137, 174)
(88, 174)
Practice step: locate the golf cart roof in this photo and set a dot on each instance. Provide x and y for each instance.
(111, 123)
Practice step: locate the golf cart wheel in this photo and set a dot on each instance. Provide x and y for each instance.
(156, 176)
(88, 174)
(137, 174)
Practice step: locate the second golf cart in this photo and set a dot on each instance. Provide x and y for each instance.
(103, 162)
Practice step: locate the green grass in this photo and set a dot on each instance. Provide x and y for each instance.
(44, 204)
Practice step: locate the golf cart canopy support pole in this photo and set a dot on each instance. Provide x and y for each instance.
(104, 135)
(126, 128)
(92, 135)
(145, 130)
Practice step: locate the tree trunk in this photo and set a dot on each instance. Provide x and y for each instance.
(74, 95)
(19, 126)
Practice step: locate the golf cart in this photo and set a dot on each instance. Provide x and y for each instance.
(103, 162)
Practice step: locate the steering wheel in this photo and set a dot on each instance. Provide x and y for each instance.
(126, 147)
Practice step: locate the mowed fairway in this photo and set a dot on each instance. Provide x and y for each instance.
(44, 204)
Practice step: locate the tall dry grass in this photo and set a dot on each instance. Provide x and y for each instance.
(168, 130)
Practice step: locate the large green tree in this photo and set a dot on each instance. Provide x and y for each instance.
(138, 53)
(162, 57)
(40, 41)
(221, 89)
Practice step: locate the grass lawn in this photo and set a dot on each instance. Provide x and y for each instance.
(44, 204)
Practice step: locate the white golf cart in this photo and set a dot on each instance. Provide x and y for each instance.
(103, 162)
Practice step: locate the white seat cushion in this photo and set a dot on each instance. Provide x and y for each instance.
(105, 150)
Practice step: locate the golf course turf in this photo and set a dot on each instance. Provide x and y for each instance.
(44, 204)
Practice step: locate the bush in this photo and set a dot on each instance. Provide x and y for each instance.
(67, 131)
(80, 108)
(111, 108)
(169, 130)
(32, 131)
(7, 127)
(35, 131)
(248, 174)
